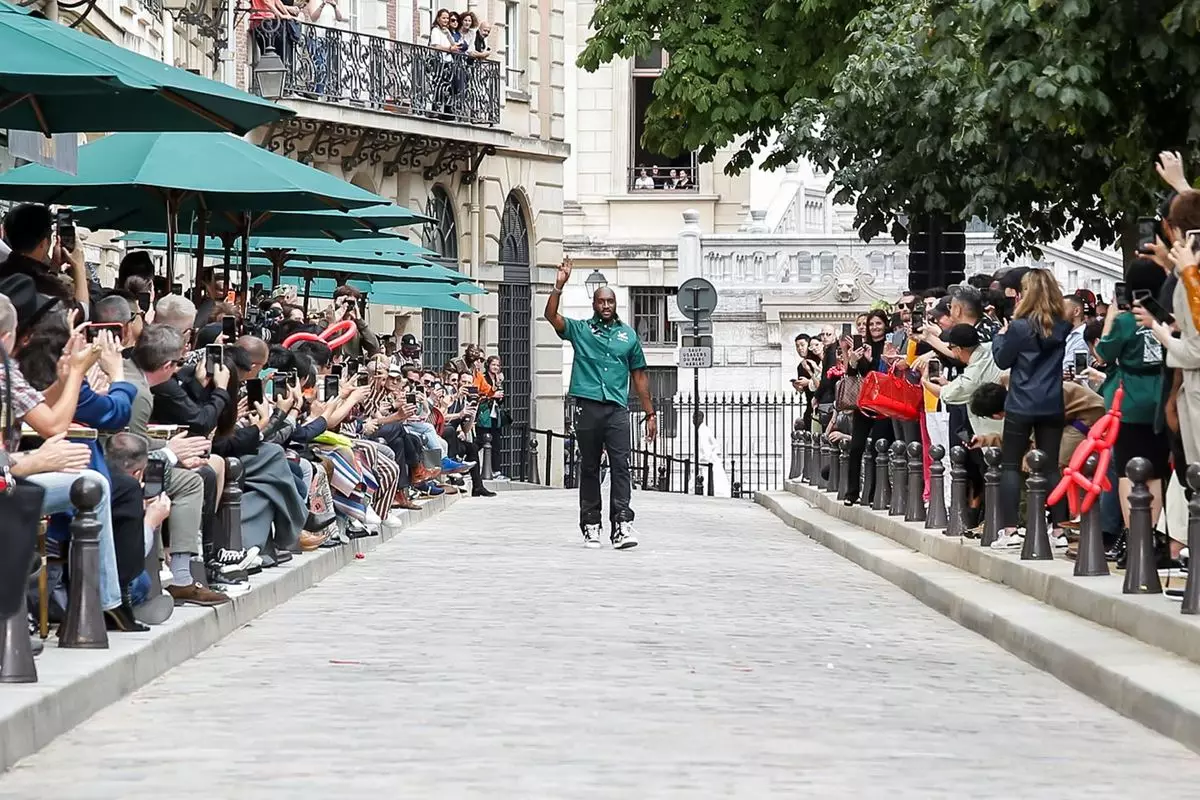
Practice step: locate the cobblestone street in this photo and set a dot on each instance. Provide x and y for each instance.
(485, 653)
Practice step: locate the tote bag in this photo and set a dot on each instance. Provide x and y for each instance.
(891, 395)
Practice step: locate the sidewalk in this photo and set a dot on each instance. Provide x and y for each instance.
(1135, 653)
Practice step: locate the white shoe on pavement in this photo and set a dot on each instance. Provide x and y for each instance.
(1008, 541)
(591, 536)
(623, 536)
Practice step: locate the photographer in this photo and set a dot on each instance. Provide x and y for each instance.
(348, 305)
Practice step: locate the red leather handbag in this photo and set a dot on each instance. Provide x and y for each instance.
(891, 395)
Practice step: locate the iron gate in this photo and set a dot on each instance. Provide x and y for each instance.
(439, 329)
(516, 343)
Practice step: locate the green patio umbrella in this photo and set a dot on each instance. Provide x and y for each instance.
(55, 79)
(388, 293)
(329, 224)
(188, 173)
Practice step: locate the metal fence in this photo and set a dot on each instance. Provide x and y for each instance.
(745, 435)
(353, 68)
(745, 446)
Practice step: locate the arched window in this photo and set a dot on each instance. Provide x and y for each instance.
(441, 235)
(439, 329)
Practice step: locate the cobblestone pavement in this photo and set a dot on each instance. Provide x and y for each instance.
(487, 654)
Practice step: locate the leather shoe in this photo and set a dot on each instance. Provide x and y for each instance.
(317, 523)
(403, 501)
(197, 594)
(311, 541)
(482, 491)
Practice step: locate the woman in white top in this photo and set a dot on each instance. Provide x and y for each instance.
(439, 34)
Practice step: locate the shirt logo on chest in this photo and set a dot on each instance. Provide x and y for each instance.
(623, 336)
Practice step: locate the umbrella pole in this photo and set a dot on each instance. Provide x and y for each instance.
(172, 225)
(202, 233)
(245, 259)
(307, 291)
(227, 240)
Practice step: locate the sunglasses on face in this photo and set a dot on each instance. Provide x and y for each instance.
(906, 306)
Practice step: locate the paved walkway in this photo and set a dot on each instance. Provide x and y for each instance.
(486, 654)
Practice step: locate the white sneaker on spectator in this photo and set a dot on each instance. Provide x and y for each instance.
(591, 536)
(235, 560)
(1008, 541)
(1058, 541)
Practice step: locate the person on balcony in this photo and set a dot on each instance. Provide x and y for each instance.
(438, 84)
(325, 46)
(275, 26)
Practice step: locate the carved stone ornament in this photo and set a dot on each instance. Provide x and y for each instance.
(848, 283)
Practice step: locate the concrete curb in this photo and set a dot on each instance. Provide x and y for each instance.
(73, 685)
(516, 486)
(1153, 619)
(1141, 682)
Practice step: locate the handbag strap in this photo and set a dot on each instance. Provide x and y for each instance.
(8, 406)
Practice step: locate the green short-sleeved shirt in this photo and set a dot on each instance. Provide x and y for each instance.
(1137, 358)
(605, 354)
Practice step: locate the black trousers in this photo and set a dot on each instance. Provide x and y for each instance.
(467, 451)
(863, 432)
(601, 427)
(1047, 437)
(128, 514)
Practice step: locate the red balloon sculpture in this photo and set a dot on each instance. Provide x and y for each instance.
(1080, 490)
(334, 336)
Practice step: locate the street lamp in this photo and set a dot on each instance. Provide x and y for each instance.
(269, 72)
(595, 281)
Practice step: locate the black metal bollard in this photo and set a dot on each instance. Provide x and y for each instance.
(1191, 593)
(84, 624)
(1141, 567)
(868, 475)
(914, 504)
(835, 468)
(821, 451)
(806, 475)
(843, 485)
(955, 525)
(1090, 561)
(797, 449)
(813, 464)
(937, 517)
(16, 650)
(883, 486)
(1037, 539)
(899, 479)
(828, 464)
(485, 457)
(229, 509)
(991, 496)
(535, 464)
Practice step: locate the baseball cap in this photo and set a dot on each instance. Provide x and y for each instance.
(961, 335)
(1087, 300)
(394, 371)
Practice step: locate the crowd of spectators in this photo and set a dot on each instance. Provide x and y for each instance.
(675, 179)
(152, 394)
(1007, 360)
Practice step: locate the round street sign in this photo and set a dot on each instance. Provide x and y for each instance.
(696, 297)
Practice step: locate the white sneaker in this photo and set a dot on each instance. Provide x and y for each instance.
(1058, 541)
(591, 536)
(1008, 541)
(623, 537)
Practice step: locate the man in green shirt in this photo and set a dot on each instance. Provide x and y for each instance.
(608, 356)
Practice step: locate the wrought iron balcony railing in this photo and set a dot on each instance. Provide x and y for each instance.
(357, 69)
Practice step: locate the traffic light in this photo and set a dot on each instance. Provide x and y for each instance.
(936, 252)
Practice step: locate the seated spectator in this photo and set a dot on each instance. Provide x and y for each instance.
(1084, 408)
(136, 519)
(643, 180)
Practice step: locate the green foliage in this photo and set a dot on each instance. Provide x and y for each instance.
(1041, 117)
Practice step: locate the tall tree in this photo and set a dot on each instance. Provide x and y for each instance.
(1040, 116)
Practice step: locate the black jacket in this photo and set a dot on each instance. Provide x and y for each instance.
(175, 406)
(1036, 364)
